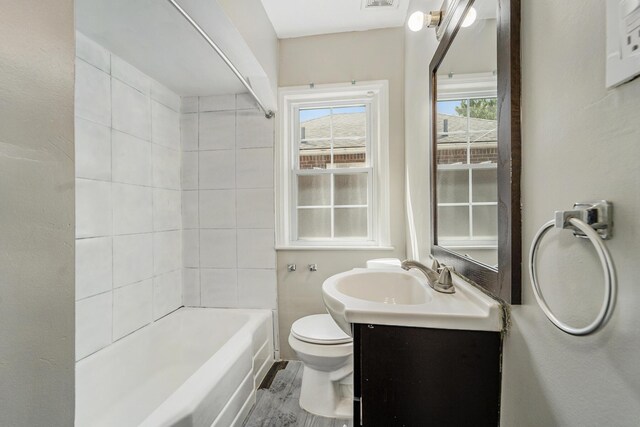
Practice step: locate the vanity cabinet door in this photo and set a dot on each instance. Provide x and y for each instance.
(426, 377)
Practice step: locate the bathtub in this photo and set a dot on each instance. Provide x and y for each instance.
(194, 367)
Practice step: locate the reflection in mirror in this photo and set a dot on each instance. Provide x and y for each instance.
(467, 140)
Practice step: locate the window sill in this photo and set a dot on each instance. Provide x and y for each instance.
(334, 248)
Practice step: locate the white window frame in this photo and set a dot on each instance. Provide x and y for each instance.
(374, 94)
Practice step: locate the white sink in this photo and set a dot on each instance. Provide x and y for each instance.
(400, 298)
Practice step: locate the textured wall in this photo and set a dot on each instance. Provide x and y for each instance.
(339, 58)
(580, 142)
(37, 213)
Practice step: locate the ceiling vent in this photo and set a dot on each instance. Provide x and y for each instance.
(379, 4)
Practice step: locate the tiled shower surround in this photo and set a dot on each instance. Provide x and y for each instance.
(128, 215)
(171, 209)
(228, 203)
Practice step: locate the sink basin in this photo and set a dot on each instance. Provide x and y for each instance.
(384, 287)
(403, 298)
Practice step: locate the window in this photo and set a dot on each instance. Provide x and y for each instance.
(332, 174)
(467, 171)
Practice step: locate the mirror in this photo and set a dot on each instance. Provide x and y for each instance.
(475, 147)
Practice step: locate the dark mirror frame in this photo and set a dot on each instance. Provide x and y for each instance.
(505, 282)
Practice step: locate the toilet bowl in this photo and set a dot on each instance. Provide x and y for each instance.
(327, 355)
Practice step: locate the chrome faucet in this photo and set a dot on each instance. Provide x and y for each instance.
(438, 277)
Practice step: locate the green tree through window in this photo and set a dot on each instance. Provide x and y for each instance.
(481, 108)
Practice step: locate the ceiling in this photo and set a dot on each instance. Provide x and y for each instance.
(297, 18)
(153, 37)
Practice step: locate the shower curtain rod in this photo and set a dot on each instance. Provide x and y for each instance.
(267, 112)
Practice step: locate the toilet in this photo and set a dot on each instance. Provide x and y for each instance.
(327, 355)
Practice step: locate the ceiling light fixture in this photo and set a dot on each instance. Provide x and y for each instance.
(418, 20)
(470, 18)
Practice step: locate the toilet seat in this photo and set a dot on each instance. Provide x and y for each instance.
(319, 329)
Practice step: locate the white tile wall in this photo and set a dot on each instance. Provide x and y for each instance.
(217, 208)
(93, 266)
(132, 308)
(132, 258)
(93, 150)
(228, 240)
(128, 200)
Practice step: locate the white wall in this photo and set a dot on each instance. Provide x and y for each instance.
(228, 205)
(36, 217)
(128, 209)
(339, 58)
(580, 142)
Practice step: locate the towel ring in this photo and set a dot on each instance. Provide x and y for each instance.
(607, 265)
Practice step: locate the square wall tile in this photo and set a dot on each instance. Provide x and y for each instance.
(167, 209)
(217, 130)
(93, 94)
(93, 324)
(130, 75)
(189, 132)
(163, 95)
(253, 130)
(132, 308)
(131, 110)
(191, 287)
(167, 293)
(190, 170)
(132, 258)
(93, 53)
(254, 168)
(190, 209)
(167, 251)
(189, 104)
(245, 101)
(256, 208)
(93, 208)
(93, 266)
(131, 161)
(165, 126)
(218, 249)
(166, 167)
(256, 249)
(217, 170)
(93, 150)
(191, 248)
(257, 289)
(218, 102)
(132, 209)
(219, 288)
(217, 208)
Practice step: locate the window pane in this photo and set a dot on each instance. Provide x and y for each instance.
(485, 222)
(350, 122)
(485, 185)
(314, 223)
(315, 154)
(314, 190)
(451, 122)
(315, 123)
(351, 222)
(349, 153)
(453, 186)
(483, 129)
(351, 189)
(453, 221)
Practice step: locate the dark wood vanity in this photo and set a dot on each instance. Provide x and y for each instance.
(405, 376)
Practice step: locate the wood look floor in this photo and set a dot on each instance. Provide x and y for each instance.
(277, 406)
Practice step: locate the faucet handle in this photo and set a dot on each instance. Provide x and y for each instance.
(445, 281)
(435, 265)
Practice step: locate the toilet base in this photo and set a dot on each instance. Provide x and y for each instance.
(324, 395)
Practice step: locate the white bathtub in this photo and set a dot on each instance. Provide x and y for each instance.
(195, 367)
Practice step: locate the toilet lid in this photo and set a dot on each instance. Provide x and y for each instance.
(319, 329)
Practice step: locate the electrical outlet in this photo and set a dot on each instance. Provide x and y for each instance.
(623, 41)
